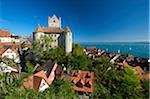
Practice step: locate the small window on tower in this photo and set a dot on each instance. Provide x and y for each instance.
(54, 21)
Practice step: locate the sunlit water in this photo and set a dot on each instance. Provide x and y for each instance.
(136, 49)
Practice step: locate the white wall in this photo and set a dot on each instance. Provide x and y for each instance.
(68, 42)
(9, 54)
(38, 35)
(5, 39)
(8, 39)
(43, 85)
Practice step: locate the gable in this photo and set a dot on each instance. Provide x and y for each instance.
(9, 54)
(43, 85)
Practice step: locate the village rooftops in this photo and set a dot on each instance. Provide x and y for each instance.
(139, 70)
(142, 74)
(82, 80)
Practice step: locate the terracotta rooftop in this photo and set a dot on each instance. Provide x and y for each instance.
(28, 83)
(36, 78)
(3, 51)
(4, 33)
(145, 76)
(82, 80)
(67, 29)
(139, 70)
(48, 29)
(9, 43)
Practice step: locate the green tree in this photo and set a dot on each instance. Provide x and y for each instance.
(145, 91)
(62, 89)
(114, 83)
(22, 45)
(29, 67)
(42, 51)
(79, 60)
(54, 54)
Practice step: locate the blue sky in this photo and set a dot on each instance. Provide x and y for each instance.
(89, 20)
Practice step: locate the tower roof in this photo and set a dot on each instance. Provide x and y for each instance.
(38, 29)
(67, 29)
(48, 30)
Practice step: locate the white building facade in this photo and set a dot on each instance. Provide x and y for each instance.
(5, 36)
(11, 54)
(59, 36)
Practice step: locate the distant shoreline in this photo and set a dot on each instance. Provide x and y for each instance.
(117, 42)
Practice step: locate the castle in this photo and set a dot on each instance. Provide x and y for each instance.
(60, 36)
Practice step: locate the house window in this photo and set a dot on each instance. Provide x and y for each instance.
(87, 76)
(55, 35)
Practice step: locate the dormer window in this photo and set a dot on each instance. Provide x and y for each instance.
(88, 85)
(74, 75)
(79, 84)
(87, 76)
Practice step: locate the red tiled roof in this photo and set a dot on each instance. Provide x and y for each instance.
(84, 89)
(48, 29)
(145, 76)
(9, 43)
(37, 78)
(82, 77)
(28, 83)
(3, 51)
(41, 74)
(4, 33)
(139, 70)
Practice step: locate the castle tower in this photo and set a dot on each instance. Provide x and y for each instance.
(54, 22)
(68, 40)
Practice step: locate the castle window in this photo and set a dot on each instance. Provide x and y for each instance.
(54, 21)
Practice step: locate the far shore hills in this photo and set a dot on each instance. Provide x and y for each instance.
(131, 42)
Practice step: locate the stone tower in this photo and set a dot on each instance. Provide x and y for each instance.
(68, 40)
(54, 22)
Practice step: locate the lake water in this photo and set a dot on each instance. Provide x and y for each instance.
(136, 49)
